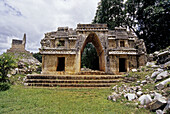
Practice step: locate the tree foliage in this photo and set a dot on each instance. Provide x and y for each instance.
(90, 58)
(38, 56)
(6, 63)
(149, 19)
(110, 12)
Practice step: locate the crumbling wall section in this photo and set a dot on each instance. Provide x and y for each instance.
(18, 46)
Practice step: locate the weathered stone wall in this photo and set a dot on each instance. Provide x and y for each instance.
(112, 44)
(50, 63)
(72, 44)
(142, 60)
(130, 63)
(20, 47)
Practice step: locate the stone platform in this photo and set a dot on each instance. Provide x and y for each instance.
(42, 80)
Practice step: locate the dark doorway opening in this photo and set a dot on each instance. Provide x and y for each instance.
(122, 44)
(61, 43)
(89, 57)
(61, 64)
(122, 65)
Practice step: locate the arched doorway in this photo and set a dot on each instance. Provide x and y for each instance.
(89, 58)
(93, 38)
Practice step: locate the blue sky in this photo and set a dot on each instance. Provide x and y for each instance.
(36, 17)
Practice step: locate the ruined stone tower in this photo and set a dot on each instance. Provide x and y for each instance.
(18, 45)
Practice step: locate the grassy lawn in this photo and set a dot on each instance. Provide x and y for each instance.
(19, 99)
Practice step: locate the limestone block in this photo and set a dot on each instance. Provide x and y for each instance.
(130, 96)
(162, 84)
(162, 75)
(157, 104)
(145, 99)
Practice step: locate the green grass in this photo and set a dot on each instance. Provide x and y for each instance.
(19, 99)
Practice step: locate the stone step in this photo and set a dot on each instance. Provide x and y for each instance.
(74, 77)
(69, 85)
(42, 80)
(91, 73)
(70, 81)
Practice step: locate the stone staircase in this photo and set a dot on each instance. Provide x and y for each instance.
(41, 80)
(92, 73)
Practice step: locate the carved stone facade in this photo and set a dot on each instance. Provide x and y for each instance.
(118, 50)
(18, 46)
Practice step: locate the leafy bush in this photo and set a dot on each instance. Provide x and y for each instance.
(4, 86)
(6, 63)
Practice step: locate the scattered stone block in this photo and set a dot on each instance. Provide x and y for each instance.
(149, 64)
(167, 107)
(154, 74)
(115, 88)
(162, 75)
(113, 97)
(9, 75)
(144, 82)
(155, 66)
(160, 70)
(138, 81)
(134, 70)
(157, 96)
(156, 53)
(145, 99)
(167, 65)
(109, 97)
(13, 72)
(159, 112)
(139, 93)
(156, 104)
(162, 84)
(130, 96)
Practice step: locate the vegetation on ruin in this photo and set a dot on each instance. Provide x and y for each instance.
(17, 56)
(149, 19)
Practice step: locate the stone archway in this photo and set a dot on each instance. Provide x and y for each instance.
(93, 38)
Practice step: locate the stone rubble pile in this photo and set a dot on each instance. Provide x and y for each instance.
(156, 100)
(162, 58)
(27, 66)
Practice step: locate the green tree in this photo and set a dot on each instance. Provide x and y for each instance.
(90, 58)
(110, 12)
(38, 56)
(149, 19)
(6, 63)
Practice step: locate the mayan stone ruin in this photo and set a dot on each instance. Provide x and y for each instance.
(118, 50)
(18, 46)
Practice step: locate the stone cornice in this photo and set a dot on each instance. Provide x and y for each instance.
(58, 51)
(123, 52)
(92, 30)
(122, 49)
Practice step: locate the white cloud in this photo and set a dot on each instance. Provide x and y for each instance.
(5, 42)
(36, 17)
